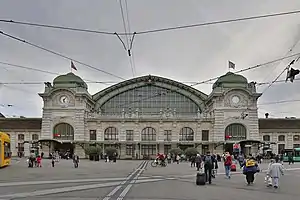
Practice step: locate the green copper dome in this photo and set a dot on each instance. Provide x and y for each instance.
(69, 80)
(230, 79)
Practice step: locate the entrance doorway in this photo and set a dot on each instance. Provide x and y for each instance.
(183, 147)
(64, 149)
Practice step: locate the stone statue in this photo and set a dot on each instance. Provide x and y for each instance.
(161, 113)
(174, 112)
(198, 113)
(137, 113)
(129, 112)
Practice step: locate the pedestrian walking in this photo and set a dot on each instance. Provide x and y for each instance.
(250, 168)
(227, 164)
(268, 178)
(198, 161)
(276, 171)
(208, 166)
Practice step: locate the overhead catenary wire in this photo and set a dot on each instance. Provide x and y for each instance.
(151, 30)
(38, 70)
(250, 68)
(289, 51)
(279, 102)
(285, 69)
(208, 81)
(202, 82)
(126, 37)
(58, 54)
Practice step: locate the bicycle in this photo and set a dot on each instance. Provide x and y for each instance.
(156, 163)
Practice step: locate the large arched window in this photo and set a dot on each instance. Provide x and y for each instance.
(186, 134)
(63, 131)
(281, 138)
(111, 133)
(235, 132)
(148, 134)
(150, 100)
(266, 138)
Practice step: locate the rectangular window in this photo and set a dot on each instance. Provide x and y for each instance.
(296, 138)
(167, 149)
(281, 147)
(129, 135)
(21, 137)
(148, 150)
(93, 135)
(205, 135)
(7, 152)
(296, 145)
(168, 135)
(129, 150)
(20, 147)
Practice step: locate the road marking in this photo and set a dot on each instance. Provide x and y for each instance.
(115, 190)
(69, 189)
(5, 184)
(59, 190)
(128, 187)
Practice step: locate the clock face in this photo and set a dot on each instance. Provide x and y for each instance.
(235, 99)
(64, 100)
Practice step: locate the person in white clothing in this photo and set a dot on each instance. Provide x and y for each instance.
(268, 178)
(276, 171)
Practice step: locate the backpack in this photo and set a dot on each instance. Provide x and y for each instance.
(208, 160)
(250, 163)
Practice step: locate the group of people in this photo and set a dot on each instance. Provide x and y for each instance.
(248, 164)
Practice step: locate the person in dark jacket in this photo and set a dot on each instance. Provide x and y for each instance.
(250, 167)
(208, 166)
(192, 160)
(215, 166)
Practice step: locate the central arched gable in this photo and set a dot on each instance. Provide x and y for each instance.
(168, 85)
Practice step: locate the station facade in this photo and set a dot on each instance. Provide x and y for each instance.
(149, 114)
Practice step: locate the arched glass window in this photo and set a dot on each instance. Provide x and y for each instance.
(35, 137)
(150, 100)
(148, 134)
(186, 134)
(266, 138)
(235, 132)
(63, 131)
(281, 138)
(111, 133)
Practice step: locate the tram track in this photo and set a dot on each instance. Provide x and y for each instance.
(120, 191)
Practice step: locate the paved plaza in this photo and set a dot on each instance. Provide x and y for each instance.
(134, 180)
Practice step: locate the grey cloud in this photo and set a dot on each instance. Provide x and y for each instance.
(195, 54)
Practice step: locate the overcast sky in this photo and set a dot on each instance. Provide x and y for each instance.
(188, 55)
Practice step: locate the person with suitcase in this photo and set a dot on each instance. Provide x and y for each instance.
(208, 166)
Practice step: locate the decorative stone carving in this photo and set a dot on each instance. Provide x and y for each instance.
(198, 114)
(236, 99)
(129, 113)
(123, 113)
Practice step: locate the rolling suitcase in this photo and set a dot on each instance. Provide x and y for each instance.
(233, 167)
(200, 178)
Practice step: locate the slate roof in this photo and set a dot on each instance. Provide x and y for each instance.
(279, 123)
(20, 123)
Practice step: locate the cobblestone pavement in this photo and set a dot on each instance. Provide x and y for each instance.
(134, 180)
